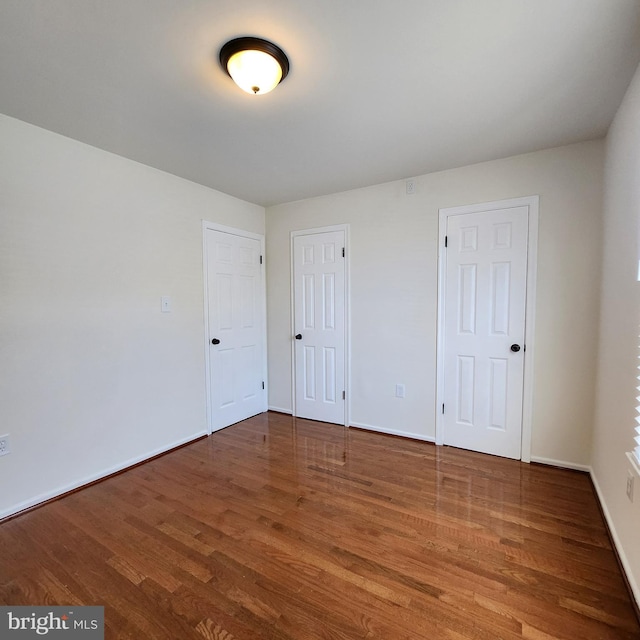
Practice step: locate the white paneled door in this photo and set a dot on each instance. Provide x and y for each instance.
(236, 327)
(319, 325)
(484, 330)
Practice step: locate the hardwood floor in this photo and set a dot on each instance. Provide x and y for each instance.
(278, 528)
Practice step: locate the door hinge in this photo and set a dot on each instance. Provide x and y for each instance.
(446, 241)
(344, 395)
(260, 259)
(343, 252)
(443, 407)
(263, 384)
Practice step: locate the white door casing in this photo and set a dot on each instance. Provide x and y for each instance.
(320, 325)
(235, 325)
(486, 296)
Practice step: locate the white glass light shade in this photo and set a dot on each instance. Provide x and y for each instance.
(254, 71)
(256, 65)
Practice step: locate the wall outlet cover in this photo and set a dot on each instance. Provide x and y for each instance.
(5, 447)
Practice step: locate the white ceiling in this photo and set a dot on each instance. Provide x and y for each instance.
(378, 90)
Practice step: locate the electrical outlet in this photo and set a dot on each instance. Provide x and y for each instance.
(630, 479)
(400, 391)
(411, 187)
(4, 445)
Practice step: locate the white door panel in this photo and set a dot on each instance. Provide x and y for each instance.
(319, 321)
(234, 281)
(485, 305)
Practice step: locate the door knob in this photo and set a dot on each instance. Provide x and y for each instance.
(215, 341)
(515, 348)
(298, 336)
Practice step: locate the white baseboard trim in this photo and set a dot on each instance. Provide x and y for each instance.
(561, 463)
(616, 540)
(50, 495)
(393, 432)
(281, 410)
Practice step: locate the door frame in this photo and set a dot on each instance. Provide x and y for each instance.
(532, 203)
(213, 226)
(347, 314)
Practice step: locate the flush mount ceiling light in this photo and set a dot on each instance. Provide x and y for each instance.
(256, 65)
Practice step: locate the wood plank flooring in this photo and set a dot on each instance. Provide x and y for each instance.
(283, 529)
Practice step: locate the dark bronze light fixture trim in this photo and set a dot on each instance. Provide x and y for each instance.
(249, 43)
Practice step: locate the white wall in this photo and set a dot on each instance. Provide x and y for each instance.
(92, 375)
(394, 291)
(620, 320)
